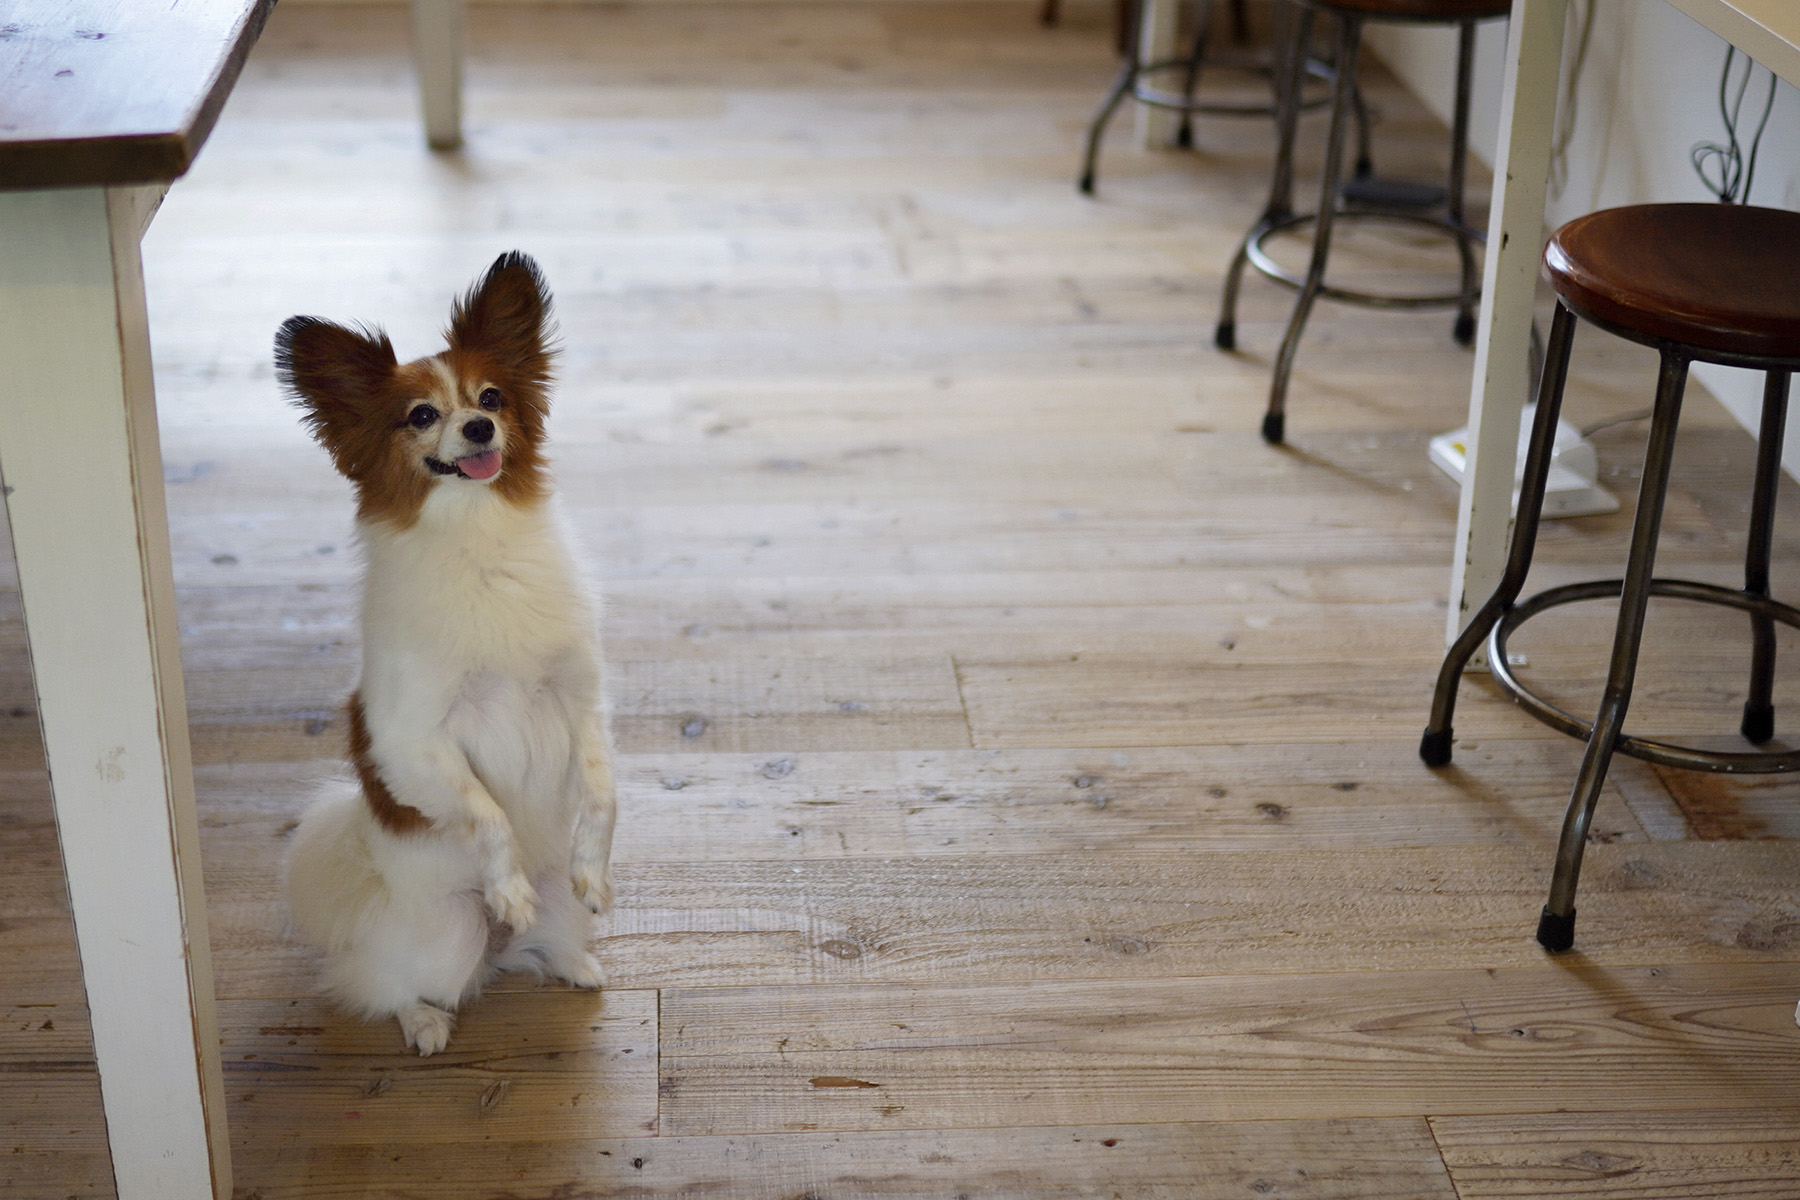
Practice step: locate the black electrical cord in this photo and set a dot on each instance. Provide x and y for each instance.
(1732, 171)
(1628, 418)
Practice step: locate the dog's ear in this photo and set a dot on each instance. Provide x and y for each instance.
(330, 370)
(507, 316)
(338, 377)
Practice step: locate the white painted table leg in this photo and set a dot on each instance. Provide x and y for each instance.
(1514, 249)
(437, 47)
(1157, 27)
(84, 486)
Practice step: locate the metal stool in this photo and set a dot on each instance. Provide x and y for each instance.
(1699, 282)
(1137, 77)
(1364, 197)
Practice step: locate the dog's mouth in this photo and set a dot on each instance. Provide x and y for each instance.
(485, 465)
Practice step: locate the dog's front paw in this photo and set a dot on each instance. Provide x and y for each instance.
(582, 971)
(593, 886)
(513, 902)
(426, 1027)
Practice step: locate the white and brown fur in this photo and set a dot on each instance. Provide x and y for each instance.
(477, 834)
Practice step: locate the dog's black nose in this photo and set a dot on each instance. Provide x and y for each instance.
(479, 430)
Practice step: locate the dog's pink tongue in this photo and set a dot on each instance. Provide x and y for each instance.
(480, 466)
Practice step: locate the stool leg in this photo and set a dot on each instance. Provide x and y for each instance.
(1556, 926)
(1759, 711)
(1203, 15)
(1349, 42)
(1434, 746)
(1365, 161)
(1090, 159)
(1292, 35)
(1464, 331)
(1122, 83)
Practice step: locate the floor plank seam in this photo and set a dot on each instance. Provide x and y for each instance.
(1438, 1146)
(962, 698)
(659, 1062)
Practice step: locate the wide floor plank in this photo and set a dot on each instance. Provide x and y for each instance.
(1729, 1155)
(547, 1064)
(789, 806)
(1270, 1047)
(1141, 917)
(1306, 1160)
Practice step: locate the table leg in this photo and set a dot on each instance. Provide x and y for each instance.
(1515, 244)
(84, 496)
(437, 47)
(1156, 34)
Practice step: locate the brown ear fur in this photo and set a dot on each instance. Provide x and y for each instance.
(340, 378)
(353, 395)
(506, 316)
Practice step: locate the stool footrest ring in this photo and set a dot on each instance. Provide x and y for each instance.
(1665, 753)
(1271, 225)
(1157, 97)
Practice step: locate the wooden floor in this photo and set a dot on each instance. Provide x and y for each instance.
(1020, 789)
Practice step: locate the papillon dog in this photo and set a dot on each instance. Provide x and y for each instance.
(477, 834)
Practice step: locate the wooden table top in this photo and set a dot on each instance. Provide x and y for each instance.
(1766, 30)
(115, 91)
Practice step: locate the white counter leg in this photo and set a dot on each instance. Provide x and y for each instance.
(1514, 248)
(83, 478)
(1157, 27)
(437, 48)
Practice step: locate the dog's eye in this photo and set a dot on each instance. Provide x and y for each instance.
(490, 399)
(421, 416)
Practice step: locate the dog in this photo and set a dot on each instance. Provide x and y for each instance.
(477, 834)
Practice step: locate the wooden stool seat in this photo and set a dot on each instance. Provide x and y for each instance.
(1420, 10)
(1723, 279)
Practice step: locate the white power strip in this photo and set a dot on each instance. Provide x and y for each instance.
(1570, 491)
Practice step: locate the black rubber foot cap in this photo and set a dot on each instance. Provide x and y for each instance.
(1184, 137)
(1759, 724)
(1464, 333)
(1434, 748)
(1555, 933)
(1225, 335)
(1086, 184)
(1274, 428)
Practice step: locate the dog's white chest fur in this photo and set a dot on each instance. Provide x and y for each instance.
(476, 625)
(475, 584)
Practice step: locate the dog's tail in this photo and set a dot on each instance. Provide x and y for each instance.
(399, 916)
(334, 887)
